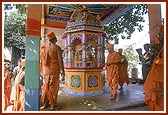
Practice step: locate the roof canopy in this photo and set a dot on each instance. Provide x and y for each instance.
(105, 12)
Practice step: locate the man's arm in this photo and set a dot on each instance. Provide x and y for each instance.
(61, 64)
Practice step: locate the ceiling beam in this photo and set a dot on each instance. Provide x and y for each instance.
(114, 16)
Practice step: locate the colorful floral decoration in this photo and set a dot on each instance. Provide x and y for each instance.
(92, 81)
(75, 81)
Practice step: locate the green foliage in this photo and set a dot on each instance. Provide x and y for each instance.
(15, 29)
(126, 24)
(22, 8)
(8, 6)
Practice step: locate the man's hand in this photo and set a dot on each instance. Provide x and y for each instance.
(122, 60)
(62, 76)
(103, 64)
(139, 51)
(63, 79)
(108, 64)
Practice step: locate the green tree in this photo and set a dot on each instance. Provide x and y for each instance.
(15, 29)
(125, 25)
(21, 8)
(132, 58)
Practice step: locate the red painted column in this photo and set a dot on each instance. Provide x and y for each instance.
(154, 13)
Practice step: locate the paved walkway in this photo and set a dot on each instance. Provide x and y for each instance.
(130, 98)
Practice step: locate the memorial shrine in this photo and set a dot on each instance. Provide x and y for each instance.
(84, 54)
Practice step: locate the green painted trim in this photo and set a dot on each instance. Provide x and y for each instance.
(32, 61)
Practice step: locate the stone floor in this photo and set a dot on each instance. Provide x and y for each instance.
(130, 98)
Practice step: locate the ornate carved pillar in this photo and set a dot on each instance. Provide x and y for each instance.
(99, 55)
(66, 57)
(68, 39)
(99, 39)
(70, 56)
(84, 60)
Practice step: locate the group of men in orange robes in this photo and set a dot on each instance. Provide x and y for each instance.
(19, 97)
(154, 84)
(7, 83)
(16, 96)
(116, 66)
(51, 68)
(116, 70)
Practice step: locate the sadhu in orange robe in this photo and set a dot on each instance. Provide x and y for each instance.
(19, 91)
(154, 85)
(112, 71)
(123, 72)
(7, 86)
(52, 63)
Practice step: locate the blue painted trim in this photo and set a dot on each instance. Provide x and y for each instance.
(66, 60)
(80, 65)
(110, 12)
(117, 15)
(99, 60)
(57, 18)
(84, 60)
(91, 64)
(32, 101)
(70, 92)
(68, 27)
(69, 60)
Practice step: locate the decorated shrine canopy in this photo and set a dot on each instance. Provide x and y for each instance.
(63, 13)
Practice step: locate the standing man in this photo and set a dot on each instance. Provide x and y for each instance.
(123, 72)
(154, 84)
(52, 65)
(19, 89)
(7, 83)
(15, 72)
(145, 60)
(146, 65)
(112, 66)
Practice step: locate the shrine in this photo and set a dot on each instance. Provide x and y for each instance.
(84, 55)
(79, 29)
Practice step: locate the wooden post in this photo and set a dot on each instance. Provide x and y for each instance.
(154, 13)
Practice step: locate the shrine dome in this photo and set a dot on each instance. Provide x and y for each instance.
(84, 21)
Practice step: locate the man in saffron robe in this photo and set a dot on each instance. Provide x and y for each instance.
(112, 66)
(123, 72)
(7, 83)
(154, 85)
(19, 89)
(52, 65)
(15, 72)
